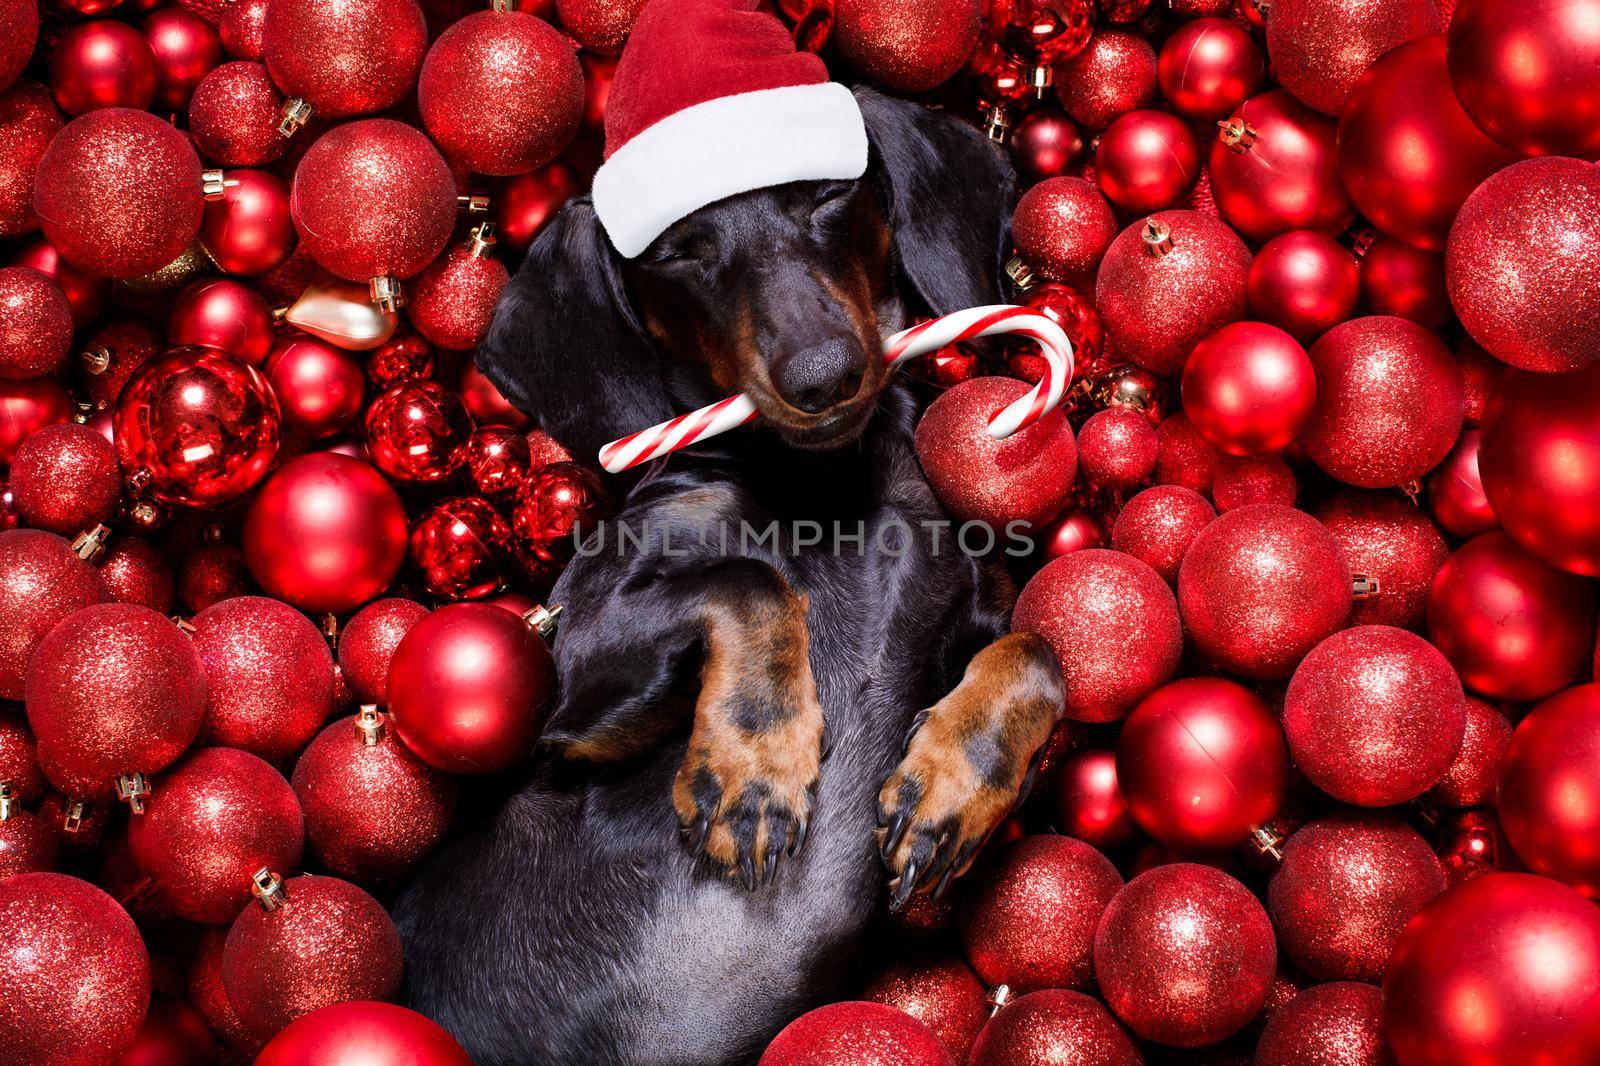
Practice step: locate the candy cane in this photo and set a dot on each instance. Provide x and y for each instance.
(696, 426)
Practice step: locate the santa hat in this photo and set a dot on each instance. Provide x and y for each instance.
(712, 99)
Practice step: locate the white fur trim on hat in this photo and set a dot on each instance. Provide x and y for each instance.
(724, 147)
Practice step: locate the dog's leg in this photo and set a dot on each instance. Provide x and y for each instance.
(969, 761)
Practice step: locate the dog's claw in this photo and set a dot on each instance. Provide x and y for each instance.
(769, 870)
(747, 866)
(907, 886)
(897, 829)
(697, 839)
(801, 827)
(944, 882)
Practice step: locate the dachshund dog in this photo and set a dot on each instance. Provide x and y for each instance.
(754, 734)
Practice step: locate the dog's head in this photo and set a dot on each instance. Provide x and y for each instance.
(776, 293)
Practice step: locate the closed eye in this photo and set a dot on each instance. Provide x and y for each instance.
(831, 195)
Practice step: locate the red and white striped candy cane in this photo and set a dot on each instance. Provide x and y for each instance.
(975, 322)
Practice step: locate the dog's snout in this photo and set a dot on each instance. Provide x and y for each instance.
(815, 378)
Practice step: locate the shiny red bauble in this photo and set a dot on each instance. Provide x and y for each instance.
(186, 48)
(209, 825)
(373, 198)
(1539, 458)
(118, 193)
(469, 687)
(553, 508)
(499, 460)
(368, 642)
(65, 479)
(1513, 626)
(1303, 282)
(1158, 525)
(906, 45)
(329, 943)
(458, 547)
(248, 230)
(1072, 530)
(1208, 67)
(35, 323)
(234, 116)
(1549, 791)
(173, 1034)
(1320, 48)
(1146, 161)
(1063, 227)
(222, 314)
(1074, 312)
(1043, 32)
(1391, 544)
(1024, 478)
(1185, 955)
(27, 407)
(1274, 168)
(380, 1032)
(1054, 1025)
(525, 204)
(102, 63)
(941, 994)
(856, 1033)
(1498, 969)
(1117, 449)
(319, 387)
(485, 403)
(1398, 279)
(197, 427)
(452, 301)
(1408, 154)
(1340, 1021)
(28, 123)
(74, 972)
(41, 582)
(1086, 803)
(403, 357)
(1249, 388)
(1455, 491)
(344, 57)
(1114, 74)
(1113, 624)
(1201, 762)
(418, 432)
(113, 689)
(1046, 144)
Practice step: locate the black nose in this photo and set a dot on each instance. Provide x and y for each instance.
(815, 378)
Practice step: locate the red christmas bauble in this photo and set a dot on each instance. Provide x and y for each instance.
(22, 16)
(499, 461)
(86, 293)
(319, 387)
(19, 765)
(222, 314)
(404, 357)
(1117, 449)
(1146, 161)
(74, 972)
(112, 354)
(1158, 525)
(27, 407)
(113, 689)
(344, 57)
(343, 506)
(452, 301)
(1075, 314)
(102, 63)
(1113, 75)
(1201, 762)
(1024, 478)
(1274, 168)
(1539, 459)
(1054, 1025)
(941, 994)
(203, 986)
(523, 205)
(28, 846)
(599, 25)
(1513, 626)
(1208, 67)
(1260, 586)
(1047, 144)
(451, 711)
(458, 547)
(1470, 781)
(906, 45)
(35, 323)
(41, 583)
(1549, 792)
(173, 1034)
(242, 28)
(1245, 480)
(1042, 33)
(1072, 530)
(210, 573)
(1063, 227)
(373, 198)
(1166, 283)
(418, 432)
(186, 47)
(1522, 951)
(330, 943)
(234, 115)
(66, 480)
(1320, 48)
(1183, 456)
(856, 1033)
(28, 123)
(197, 427)
(1341, 1021)
(1249, 388)
(1185, 955)
(381, 1033)
(1087, 803)
(1397, 279)
(248, 231)
(135, 571)
(485, 403)
(1455, 491)
(1387, 540)
(209, 825)
(1303, 282)
(368, 643)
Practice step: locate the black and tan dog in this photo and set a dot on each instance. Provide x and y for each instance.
(752, 736)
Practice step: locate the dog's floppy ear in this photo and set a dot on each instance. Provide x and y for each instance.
(950, 193)
(565, 345)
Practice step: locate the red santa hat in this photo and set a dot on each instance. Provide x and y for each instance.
(712, 99)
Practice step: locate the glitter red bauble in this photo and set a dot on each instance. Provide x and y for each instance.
(1249, 388)
(22, 18)
(113, 689)
(1320, 48)
(1549, 792)
(1062, 227)
(241, 28)
(1281, 173)
(28, 123)
(1024, 478)
(209, 825)
(248, 231)
(458, 547)
(1385, 538)
(35, 323)
(418, 432)
(85, 292)
(1470, 781)
(1243, 480)
(1522, 951)
(1185, 955)
(234, 115)
(451, 711)
(1117, 449)
(197, 427)
(941, 994)
(135, 571)
(343, 506)
(186, 48)
(1513, 626)
(1046, 144)
(1397, 279)
(74, 972)
(203, 986)
(1338, 1022)
(1156, 306)
(212, 572)
(28, 846)
(269, 674)
(1539, 459)
(41, 582)
(102, 63)
(66, 480)
(330, 943)
(905, 45)
(1303, 282)
(1208, 67)
(599, 25)
(1030, 913)
(525, 204)
(373, 198)
(126, 344)
(222, 314)
(501, 92)
(382, 1033)
(1054, 1026)
(319, 387)
(118, 193)
(1183, 456)
(1158, 525)
(1201, 762)
(452, 301)
(19, 767)
(1455, 491)
(344, 57)
(1146, 161)
(856, 1033)
(1114, 74)
(368, 642)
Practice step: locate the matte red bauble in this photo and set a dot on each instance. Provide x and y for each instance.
(344, 57)
(1208, 67)
(368, 642)
(1341, 1021)
(1063, 227)
(27, 407)
(28, 123)
(1455, 491)
(856, 1033)
(1185, 955)
(1397, 279)
(418, 432)
(1274, 168)
(41, 582)
(319, 387)
(525, 204)
(1047, 144)
(186, 48)
(1024, 478)
(1499, 969)
(1320, 48)
(941, 994)
(118, 193)
(74, 972)
(197, 427)
(1113, 624)
(382, 1032)
(452, 301)
(1201, 763)
(112, 354)
(65, 479)
(1549, 794)
(906, 45)
(102, 63)
(1117, 449)
(35, 324)
(248, 230)
(1158, 525)
(1054, 1025)
(222, 314)
(86, 293)
(453, 712)
(1539, 459)
(458, 547)
(599, 25)
(234, 116)
(373, 198)
(1303, 282)
(343, 506)
(1146, 161)
(22, 16)
(1249, 388)
(1113, 75)
(1260, 587)
(1389, 542)
(1513, 626)
(209, 825)
(329, 943)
